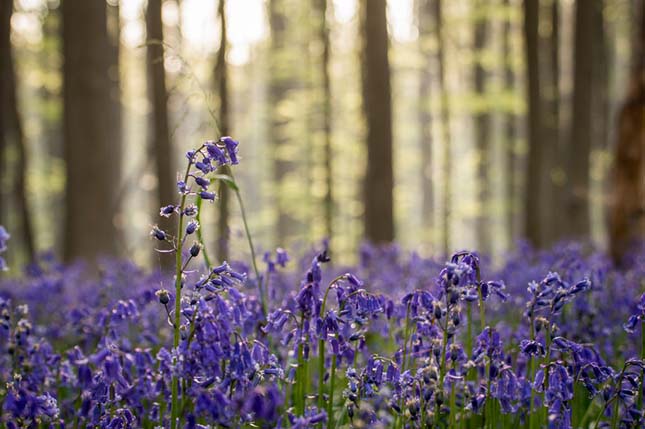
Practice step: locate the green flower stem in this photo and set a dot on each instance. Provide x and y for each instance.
(250, 241)
(640, 386)
(453, 404)
(299, 400)
(330, 402)
(547, 367)
(531, 367)
(200, 235)
(174, 411)
(482, 310)
(405, 339)
(321, 349)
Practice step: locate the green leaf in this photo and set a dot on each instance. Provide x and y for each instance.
(228, 180)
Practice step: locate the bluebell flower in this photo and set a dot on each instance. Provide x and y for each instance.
(639, 315)
(216, 153)
(231, 148)
(158, 233)
(206, 195)
(168, 210)
(192, 226)
(4, 237)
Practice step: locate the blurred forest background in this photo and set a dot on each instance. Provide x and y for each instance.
(436, 124)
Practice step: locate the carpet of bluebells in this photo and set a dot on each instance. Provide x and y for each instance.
(548, 339)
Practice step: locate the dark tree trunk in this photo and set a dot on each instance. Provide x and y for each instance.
(533, 224)
(379, 182)
(92, 135)
(510, 118)
(580, 139)
(5, 52)
(159, 143)
(328, 199)
(627, 216)
(552, 180)
(425, 10)
(221, 73)
(279, 86)
(601, 75)
(482, 132)
(446, 157)
(11, 128)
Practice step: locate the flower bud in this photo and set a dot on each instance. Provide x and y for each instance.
(194, 249)
(163, 295)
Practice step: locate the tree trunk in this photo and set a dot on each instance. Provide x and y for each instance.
(279, 86)
(600, 75)
(5, 51)
(92, 137)
(553, 200)
(425, 9)
(580, 143)
(159, 143)
(12, 130)
(627, 215)
(510, 118)
(379, 182)
(221, 73)
(482, 132)
(534, 224)
(446, 158)
(328, 199)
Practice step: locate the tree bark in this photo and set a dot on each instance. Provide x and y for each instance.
(379, 181)
(581, 135)
(279, 85)
(159, 143)
(425, 10)
(321, 7)
(627, 211)
(553, 184)
(92, 137)
(510, 118)
(5, 52)
(221, 73)
(482, 131)
(534, 224)
(446, 158)
(11, 128)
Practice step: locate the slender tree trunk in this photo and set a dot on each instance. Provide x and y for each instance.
(482, 131)
(279, 86)
(221, 73)
(328, 199)
(92, 139)
(627, 215)
(534, 225)
(379, 181)
(425, 9)
(510, 118)
(580, 139)
(12, 127)
(552, 178)
(446, 157)
(5, 53)
(159, 142)
(600, 75)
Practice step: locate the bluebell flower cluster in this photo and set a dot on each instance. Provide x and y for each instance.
(397, 341)
(4, 237)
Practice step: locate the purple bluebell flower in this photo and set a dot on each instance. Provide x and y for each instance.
(206, 195)
(231, 148)
(639, 315)
(158, 233)
(4, 237)
(192, 226)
